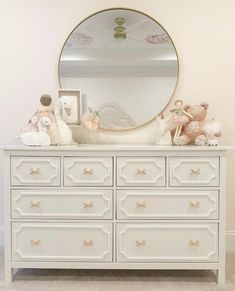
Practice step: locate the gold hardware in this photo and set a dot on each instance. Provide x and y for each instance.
(88, 204)
(35, 204)
(140, 172)
(141, 204)
(141, 243)
(87, 172)
(194, 204)
(195, 172)
(194, 243)
(35, 172)
(88, 243)
(35, 242)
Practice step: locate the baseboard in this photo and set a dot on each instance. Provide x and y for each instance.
(230, 240)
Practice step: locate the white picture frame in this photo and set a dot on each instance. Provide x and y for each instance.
(72, 114)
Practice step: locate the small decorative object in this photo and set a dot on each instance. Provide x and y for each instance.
(41, 129)
(163, 134)
(213, 130)
(193, 130)
(179, 118)
(91, 122)
(65, 134)
(71, 109)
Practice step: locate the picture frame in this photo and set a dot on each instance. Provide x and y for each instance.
(72, 112)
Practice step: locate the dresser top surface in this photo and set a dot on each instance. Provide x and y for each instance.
(113, 147)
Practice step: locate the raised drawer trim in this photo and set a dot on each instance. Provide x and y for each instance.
(171, 193)
(89, 161)
(52, 226)
(165, 226)
(38, 160)
(197, 182)
(63, 193)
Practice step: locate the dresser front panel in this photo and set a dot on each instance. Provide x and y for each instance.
(62, 242)
(35, 171)
(167, 204)
(141, 171)
(86, 171)
(167, 242)
(63, 204)
(194, 171)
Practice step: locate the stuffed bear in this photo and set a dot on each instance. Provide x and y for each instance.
(192, 132)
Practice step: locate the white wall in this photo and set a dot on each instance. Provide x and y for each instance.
(33, 32)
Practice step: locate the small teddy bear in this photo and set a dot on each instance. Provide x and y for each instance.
(192, 132)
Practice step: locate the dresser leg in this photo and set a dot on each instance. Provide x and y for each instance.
(8, 275)
(221, 276)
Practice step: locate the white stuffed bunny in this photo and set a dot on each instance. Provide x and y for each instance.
(163, 134)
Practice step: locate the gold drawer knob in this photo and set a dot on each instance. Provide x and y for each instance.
(35, 172)
(193, 204)
(88, 172)
(35, 242)
(141, 243)
(195, 172)
(88, 204)
(88, 242)
(141, 204)
(140, 172)
(34, 204)
(194, 243)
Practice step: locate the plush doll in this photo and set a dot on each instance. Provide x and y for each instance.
(43, 117)
(192, 131)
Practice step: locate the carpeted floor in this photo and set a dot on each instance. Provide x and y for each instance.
(99, 280)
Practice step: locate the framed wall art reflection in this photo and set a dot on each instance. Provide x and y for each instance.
(72, 107)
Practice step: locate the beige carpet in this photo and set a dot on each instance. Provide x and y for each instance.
(99, 280)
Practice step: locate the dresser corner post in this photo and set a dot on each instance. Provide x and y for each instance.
(7, 233)
(222, 222)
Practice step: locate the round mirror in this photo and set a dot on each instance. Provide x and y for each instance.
(125, 65)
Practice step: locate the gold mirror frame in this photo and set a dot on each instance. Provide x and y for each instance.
(177, 79)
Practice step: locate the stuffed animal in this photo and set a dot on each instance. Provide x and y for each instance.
(192, 131)
(163, 134)
(44, 112)
(65, 134)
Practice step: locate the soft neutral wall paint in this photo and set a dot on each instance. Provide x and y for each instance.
(33, 32)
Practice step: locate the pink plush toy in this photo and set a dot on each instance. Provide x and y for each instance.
(45, 111)
(192, 131)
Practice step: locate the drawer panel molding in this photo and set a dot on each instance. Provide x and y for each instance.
(167, 242)
(35, 171)
(194, 171)
(62, 242)
(163, 204)
(142, 171)
(85, 171)
(63, 204)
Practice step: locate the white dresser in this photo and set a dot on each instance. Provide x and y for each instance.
(115, 207)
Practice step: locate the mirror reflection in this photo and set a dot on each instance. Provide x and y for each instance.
(125, 65)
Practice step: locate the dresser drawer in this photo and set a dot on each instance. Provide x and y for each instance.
(35, 171)
(174, 204)
(194, 171)
(141, 171)
(167, 242)
(85, 171)
(62, 242)
(64, 204)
